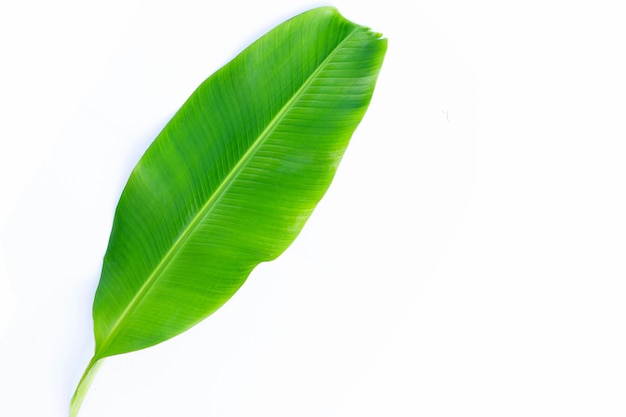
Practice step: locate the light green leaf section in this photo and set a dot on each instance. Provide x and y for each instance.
(231, 179)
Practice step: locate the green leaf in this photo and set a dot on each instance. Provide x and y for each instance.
(231, 179)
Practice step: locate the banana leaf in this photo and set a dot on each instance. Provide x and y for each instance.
(231, 180)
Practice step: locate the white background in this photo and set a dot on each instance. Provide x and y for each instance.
(468, 260)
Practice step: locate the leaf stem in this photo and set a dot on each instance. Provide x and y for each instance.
(83, 385)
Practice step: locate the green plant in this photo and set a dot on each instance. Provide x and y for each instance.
(231, 180)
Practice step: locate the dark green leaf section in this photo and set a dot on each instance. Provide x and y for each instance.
(232, 178)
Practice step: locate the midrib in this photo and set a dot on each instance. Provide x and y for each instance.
(210, 203)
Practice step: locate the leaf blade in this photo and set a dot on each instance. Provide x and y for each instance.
(232, 194)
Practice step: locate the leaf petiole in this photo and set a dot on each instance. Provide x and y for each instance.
(84, 384)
